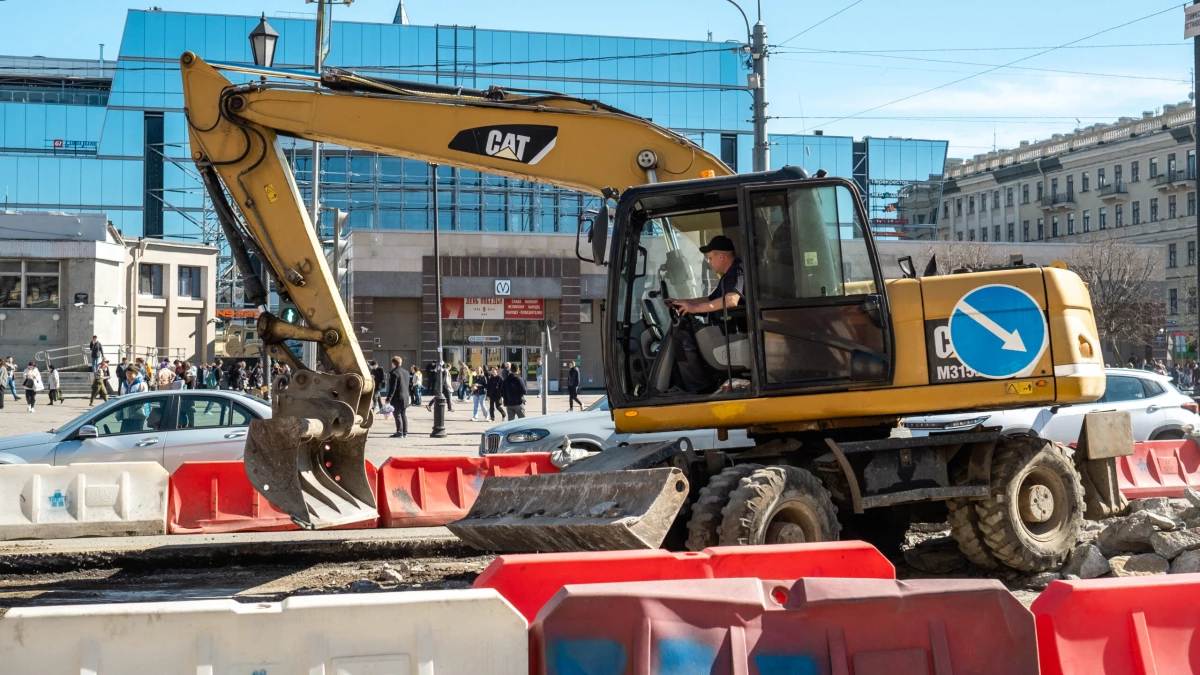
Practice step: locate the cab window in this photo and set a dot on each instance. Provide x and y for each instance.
(131, 418)
(1123, 389)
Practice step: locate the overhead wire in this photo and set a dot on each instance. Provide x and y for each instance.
(856, 2)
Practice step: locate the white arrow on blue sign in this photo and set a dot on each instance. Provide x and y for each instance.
(999, 331)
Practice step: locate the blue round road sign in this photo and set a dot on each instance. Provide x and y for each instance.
(998, 331)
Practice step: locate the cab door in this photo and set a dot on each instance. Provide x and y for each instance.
(821, 319)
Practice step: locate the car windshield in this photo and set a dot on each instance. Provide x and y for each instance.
(600, 404)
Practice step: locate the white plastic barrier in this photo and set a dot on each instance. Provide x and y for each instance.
(39, 501)
(463, 632)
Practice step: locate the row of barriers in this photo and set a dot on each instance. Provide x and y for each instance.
(126, 498)
(819, 609)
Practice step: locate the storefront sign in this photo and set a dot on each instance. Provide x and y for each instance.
(238, 313)
(483, 338)
(473, 308)
(523, 308)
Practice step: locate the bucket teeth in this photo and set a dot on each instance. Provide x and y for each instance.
(320, 484)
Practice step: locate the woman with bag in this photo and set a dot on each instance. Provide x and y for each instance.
(32, 381)
(6, 376)
(479, 410)
(100, 383)
(53, 389)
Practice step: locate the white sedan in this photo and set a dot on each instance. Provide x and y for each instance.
(168, 427)
(1157, 409)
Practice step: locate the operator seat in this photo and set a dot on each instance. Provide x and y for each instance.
(711, 342)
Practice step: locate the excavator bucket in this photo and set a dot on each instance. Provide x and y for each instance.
(582, 511)
(320, 484)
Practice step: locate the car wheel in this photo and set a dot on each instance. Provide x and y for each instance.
(1032, 517)
(779, 505)
(1168, 435)
(704, 527)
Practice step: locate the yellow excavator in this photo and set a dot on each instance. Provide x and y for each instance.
(800, 340)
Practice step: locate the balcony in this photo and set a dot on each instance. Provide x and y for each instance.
(1114, 192)
(1063, 202)
(1173, 181)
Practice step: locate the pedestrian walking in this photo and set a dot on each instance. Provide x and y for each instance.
(378, 376)
(463, 381)
(53, 383)
(495, 393)
(6, 376)
(12, 377)
(541, 381)
(440, 377)
(397, 396)
(414, 385)
(573, 388)
(479, 396)
(124, 363)
(96, 352)
(514, 393)
(134, 383)
(241, 379)
(166, 375)
(99, 379)
(31, 380)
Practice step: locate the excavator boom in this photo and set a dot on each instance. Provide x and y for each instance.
(308, 460)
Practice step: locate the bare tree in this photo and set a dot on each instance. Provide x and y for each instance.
(953, 255)
(1126, 300)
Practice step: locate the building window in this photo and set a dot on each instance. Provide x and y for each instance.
(150, 279)
(1040, 191)
(1171, 164)
(1117, 174)
(585, 311)
(1103, 219)
(971, 204)
(1099, 178)
(971, 234)
(29, 284)
(1087, 221)
(729, 151)
(1191, 203)
(1172, 301)
(1008, 196)
(1041, 229)
(1154, 210)
(1024, 230)
(1053, 188)
(189, 282)
(1135, 173)
(1153, 168)
(983, 200)
(1084, 183)
(958, 206)
(1025, 193)
(995, 199)
(946, 210)
(1120, 214)
(1070, 187)
(983, 233)
(1137, 213)
(1054, 226)
(1070, 223)
(1172, 210)
(1171, 255)
(1191, 259)
(958, 235)
(1010, 231)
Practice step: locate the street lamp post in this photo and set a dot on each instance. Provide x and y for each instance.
(439, 398)
(756, 40)
(262, 43)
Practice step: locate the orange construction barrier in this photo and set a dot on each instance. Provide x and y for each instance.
(1130, 626)
(1159, 469)
(427, 491)
(528, 581)
(216, 497)
(810, 626)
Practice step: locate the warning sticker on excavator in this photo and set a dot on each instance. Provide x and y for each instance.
(271, 196)
(1019, 388)
(810, 258)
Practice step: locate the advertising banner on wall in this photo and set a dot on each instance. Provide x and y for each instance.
(521, 309)
(526, 309)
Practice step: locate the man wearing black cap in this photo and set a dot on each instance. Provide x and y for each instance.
(728, 293)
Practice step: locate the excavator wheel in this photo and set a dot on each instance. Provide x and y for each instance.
(964, 525)
(1033, 515)
(779, 505)
(704, 527)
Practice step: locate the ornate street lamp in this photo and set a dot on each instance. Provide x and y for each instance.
(262, 43)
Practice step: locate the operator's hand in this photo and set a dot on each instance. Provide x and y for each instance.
(684, 307)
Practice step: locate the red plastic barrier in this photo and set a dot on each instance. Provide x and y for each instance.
(745, 626)
(1159, 469)
(1130, 626)
(216, 497)
(528, 581)
(426, 491)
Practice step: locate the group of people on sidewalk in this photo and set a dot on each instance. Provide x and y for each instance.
(29, 380)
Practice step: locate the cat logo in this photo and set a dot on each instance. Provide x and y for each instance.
(524, 143)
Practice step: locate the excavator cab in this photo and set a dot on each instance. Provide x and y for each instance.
(805, 314)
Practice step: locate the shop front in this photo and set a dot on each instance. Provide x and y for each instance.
(488, 332)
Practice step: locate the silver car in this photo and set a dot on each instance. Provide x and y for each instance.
(592, 430)
(168, 427)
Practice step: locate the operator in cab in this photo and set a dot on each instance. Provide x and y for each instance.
(728, 292)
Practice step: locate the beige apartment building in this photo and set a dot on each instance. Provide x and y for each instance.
(1133, 180)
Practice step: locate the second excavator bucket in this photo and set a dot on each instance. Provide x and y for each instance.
(320, 484)
(585, 511)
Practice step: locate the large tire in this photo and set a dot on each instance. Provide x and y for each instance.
(779, 505)
(1032, 517)
(704, 527)
(964, 526)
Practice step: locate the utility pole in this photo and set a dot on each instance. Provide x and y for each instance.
(1192, 29)
(758, 53)
(439, 397)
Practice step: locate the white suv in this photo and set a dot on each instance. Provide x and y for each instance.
(1158, 411)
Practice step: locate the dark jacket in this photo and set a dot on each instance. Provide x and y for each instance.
(397, 387)
(573, 377)
(514, 390)
(96, 349)
(495, 386)
(377, 375)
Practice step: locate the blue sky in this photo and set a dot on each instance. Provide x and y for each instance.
(812, 81)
